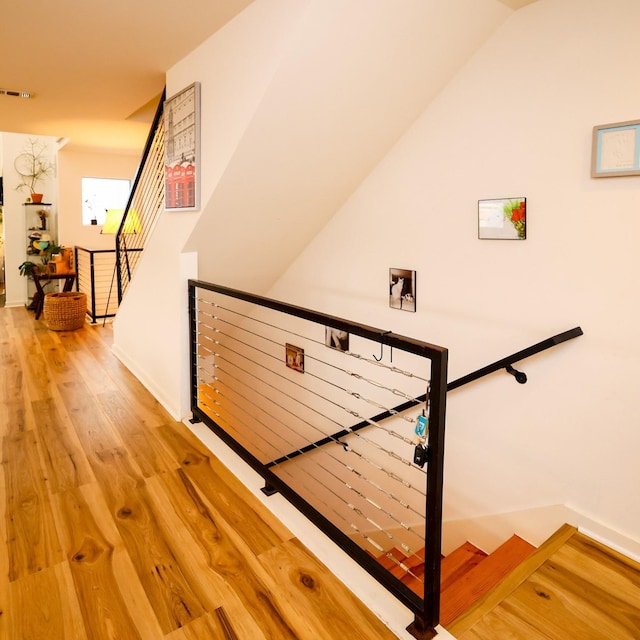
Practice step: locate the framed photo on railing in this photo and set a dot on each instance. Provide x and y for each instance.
(182, 150)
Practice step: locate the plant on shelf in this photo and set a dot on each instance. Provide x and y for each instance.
(28, 268)
(33, 166)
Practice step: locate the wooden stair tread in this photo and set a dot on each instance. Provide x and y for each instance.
(511, 582)
(458, 562)
(469, 588)
(389, 563)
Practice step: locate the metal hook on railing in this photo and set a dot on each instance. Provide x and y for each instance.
(382, 350)
(520, 376)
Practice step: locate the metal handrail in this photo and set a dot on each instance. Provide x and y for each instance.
(506, 363)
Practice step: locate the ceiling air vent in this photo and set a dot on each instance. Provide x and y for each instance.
(15, 94)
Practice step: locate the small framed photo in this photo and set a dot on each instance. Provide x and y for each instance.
(502, 219)
(402, 289)
(294, 357)
(336, 339)
(615, 150)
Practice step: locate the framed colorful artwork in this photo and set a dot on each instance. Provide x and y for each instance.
(502, 219)
(182, 150)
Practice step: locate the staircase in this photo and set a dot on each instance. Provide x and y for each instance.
(468, 574)
(569, 587)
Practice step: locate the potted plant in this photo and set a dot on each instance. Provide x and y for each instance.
(33, 165)
(28, 268)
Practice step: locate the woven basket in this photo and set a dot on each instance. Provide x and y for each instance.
(65, 311)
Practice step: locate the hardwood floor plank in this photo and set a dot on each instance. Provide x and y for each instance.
(158, 569)
(137, 433)
(55, 355)
(4, 554)
(617, 575)
(557, 617)
(580, 591)
(13, 401)
(217, 561)
(126, 383)
(38, 383)
(258, 528)
(90, 552)
(94, 431)
(502, 624)
(214, 625)
(315, 610)
(94, 376)
(14, 411)
(31, 534)
(63, 457)
(43, 605)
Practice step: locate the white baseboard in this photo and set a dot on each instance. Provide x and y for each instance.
(155, 391)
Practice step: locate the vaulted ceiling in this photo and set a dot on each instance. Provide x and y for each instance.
(96, 70)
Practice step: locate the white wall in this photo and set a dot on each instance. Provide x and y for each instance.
(352, 76)
(515, 121)
(73, 166)
(151, 329)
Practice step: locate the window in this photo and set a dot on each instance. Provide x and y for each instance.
(100, 194)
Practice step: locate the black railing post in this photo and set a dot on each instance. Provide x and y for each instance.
(423, 626)
(92, 271)
(119, 270)
(193, 346)
(77, 268)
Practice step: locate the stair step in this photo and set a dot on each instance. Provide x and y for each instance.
(458, 562)
(471, 586)
(493, 598)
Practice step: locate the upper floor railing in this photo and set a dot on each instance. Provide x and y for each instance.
(302, 397)
(345, 420)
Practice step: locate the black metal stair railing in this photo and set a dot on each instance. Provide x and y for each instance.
(146, 202)
(362, 483)
(304, 428)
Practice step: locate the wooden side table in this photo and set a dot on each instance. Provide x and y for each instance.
(44, 278)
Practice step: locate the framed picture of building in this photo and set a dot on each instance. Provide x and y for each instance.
(182, 150)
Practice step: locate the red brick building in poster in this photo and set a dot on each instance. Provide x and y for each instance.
(181, 150)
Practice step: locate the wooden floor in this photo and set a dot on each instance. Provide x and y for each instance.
(572, 588)
(117, 523)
